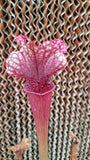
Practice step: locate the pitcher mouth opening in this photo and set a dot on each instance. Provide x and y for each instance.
(39, 90)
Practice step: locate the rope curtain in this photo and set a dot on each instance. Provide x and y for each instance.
(44, 20)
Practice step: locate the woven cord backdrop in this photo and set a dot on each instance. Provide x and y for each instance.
(70, 111)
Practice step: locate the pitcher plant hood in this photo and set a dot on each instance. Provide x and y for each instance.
(36, 64)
